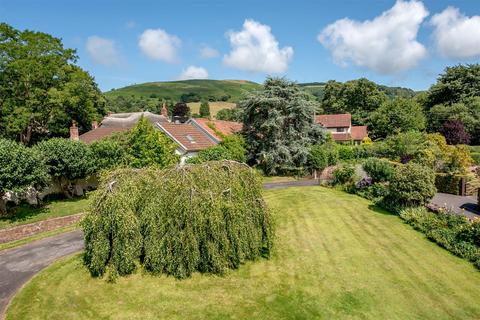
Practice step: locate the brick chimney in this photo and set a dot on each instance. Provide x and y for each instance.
(94, 124)
(164, 111)
(109, 114)
(74, 131)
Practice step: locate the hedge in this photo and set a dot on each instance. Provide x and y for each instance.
(208, 218)
(448, 183)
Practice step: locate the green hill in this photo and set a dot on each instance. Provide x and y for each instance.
(188, 90)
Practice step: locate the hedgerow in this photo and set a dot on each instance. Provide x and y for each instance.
(208, 218)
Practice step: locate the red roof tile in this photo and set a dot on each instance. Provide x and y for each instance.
(359, 132)
(188, 136)
(334, 120)
(224, 127)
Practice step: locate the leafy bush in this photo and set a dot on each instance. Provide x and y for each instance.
(322, 156)
(108, 154)
(378, 169)
(376, 191)
(231, 148)
(206, 218)
(453, 232)
(346, 152)
(411, 185)
(20, 168)
(476, 158)
(66, 159)
(149, 147)
(344, 174)
(449, 183)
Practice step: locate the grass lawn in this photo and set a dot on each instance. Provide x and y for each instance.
(334, 258)
(57, 208)
(214, 107)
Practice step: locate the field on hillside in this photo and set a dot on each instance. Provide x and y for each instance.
(335, 257)
(214, 107)
(173, 90)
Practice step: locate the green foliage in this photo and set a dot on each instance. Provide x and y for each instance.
(398, 115)
(20, 168)
(379, 170)
(204, 110)
(322, 156)
(449, 183)
(411, 185)
(67, 159)
(404, 146)
(42, 90)
(211, 90)
(149, 147)
(108, 154)
(456, 84)
(279, 127)
(344, 174)
(358, 97)
(234, 114)
(231, 148)
(453, 232)
(207, 218)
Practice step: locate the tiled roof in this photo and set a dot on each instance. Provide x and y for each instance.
(188, 136)
(99, 133)
(224, 127)
(334, 120)
(341, 136)
(359, 132)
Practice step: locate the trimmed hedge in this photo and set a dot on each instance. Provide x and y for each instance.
(208, 218)
(449, 183)
(452, 232)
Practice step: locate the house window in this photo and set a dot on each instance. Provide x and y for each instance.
(340, 129)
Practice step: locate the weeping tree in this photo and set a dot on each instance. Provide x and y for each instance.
(207, 218)
(279, 126)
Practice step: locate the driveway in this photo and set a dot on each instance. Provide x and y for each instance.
(457, 204)
(18, 265)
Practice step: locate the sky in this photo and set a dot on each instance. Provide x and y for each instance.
(396, 43)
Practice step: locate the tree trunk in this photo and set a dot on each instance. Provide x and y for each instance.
(3, 206)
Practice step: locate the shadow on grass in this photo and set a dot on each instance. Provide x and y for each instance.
(25, 212)
(378, 209)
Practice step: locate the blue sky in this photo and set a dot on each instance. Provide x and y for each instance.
(126, 42)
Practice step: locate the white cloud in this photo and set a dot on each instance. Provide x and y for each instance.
(255, 49)
(387, 44)
(193, 72)
(208, 52)
(456, 35)
(157, 44)
(102, 51)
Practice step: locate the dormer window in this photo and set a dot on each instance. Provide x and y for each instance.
(190, 138)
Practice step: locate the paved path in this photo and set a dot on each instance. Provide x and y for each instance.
(457, 204)
(18, 265)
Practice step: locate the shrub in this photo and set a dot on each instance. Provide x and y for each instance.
(67, 161)
(206, 218)
(411, 185)
(449, 183)
(20, 168)
(379, 170)
(322, 156)
(476, 158)
(108, 154)
(453, 232)
(344, 174)
(231, 148)
(149, 147)
(346, 152)
(204, 109)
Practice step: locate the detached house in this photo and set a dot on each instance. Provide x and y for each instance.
(340, 126)
(191, 137)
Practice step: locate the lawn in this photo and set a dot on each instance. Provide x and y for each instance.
(335, 257)
(56, 208)
(214, 107)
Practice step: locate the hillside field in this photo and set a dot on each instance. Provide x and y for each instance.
(214, 107)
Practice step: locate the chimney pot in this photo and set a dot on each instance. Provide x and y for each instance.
(164, 111)
(74, 131)
(94, 124)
